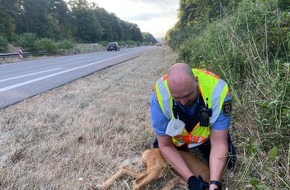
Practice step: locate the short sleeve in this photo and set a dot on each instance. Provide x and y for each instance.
(159, 120)
(223, 121)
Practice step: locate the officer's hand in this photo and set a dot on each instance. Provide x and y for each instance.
(195, 183)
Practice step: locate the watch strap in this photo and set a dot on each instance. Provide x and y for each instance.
(217, 183)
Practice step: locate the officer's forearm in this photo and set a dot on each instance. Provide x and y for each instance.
(173, 157)
(218, 158)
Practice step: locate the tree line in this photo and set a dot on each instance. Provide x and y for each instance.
(76, 20)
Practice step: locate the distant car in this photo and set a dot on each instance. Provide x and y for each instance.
(159, 44)
(113, 46)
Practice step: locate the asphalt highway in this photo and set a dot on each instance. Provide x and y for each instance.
(22, 80)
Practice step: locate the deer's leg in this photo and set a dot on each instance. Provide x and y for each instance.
(120, 173)
(147, 177)
(196, 165)
(172, 182)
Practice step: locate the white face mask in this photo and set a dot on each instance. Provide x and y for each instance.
(174, 127)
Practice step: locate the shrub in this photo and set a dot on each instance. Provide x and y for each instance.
(131, 43)
(47, 45)
(26, 41)
(65, 44)
(3, 44)
(104, 43)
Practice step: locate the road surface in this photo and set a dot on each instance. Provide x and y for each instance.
(22, 80)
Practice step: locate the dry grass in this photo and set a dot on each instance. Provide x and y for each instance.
(76, 136)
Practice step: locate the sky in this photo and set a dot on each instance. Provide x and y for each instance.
(153, 16)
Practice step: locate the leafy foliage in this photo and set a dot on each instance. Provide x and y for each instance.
(46, 44)
(9, 10)
(86, 28)
(65, 44)
(55, 19)
(26, 41)
(147, 37)
(3, 44)
(247, 44)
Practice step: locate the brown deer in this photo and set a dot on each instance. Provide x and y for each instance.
(155, 168)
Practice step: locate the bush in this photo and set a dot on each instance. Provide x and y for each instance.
(65, 46)
(26, 41)
(47, 45)
(130, 43)
(3, 44)
(104, 43)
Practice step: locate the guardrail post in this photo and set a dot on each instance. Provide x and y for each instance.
(20, 51)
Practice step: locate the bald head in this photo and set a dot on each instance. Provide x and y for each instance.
(180, 70)
(183, 86)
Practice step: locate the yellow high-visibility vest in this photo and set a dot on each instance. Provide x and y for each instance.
(212, 88)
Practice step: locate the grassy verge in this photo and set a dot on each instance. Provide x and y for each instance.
(76, 136)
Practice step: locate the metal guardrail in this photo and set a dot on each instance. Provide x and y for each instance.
(5, 55)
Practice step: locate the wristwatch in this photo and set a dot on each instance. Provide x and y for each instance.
(217, 183)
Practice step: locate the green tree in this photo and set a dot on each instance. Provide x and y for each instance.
(195, 15)
(116, 29)
(136, 33)
(3, 44)
(86, 26)
(106, 21)
(33, 18)
(147, 37)
(59, 18)
(9, 10)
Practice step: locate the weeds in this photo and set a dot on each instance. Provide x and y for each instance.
(249, 50)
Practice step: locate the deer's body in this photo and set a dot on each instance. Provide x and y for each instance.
(155, 168)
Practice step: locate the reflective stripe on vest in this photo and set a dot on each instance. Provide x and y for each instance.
(211, 87)
(163, 95)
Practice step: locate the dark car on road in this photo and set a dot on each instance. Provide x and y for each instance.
(113, 46)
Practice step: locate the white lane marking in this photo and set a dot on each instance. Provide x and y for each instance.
(3, 80)
(52, 75)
